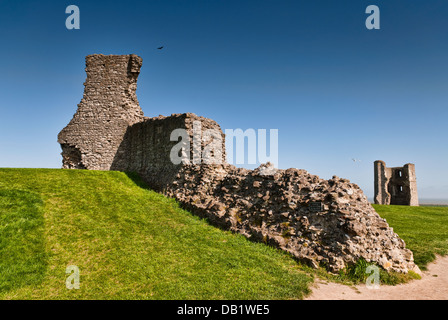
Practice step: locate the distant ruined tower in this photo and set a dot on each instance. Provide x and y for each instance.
(396, 186)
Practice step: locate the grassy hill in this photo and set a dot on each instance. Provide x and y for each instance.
(424, 229)
(128, 243)
(132, 243)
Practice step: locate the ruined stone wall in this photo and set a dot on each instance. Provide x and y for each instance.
(395, 186)
(108, 107)
(320, 222)
(146, 147)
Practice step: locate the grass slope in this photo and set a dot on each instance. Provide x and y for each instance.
(128, 242)
(424, 229)
(132, 243)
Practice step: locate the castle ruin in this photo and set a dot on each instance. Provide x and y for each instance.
(320, 222)
(396, 186)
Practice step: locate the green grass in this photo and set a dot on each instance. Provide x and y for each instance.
(424, 229)
(22, 248)
(357, 274)
(132, 243)
(127, 241)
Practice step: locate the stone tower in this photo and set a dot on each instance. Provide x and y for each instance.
(109, 106)
(396, 186)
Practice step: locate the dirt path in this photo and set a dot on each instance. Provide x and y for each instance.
(432, 286)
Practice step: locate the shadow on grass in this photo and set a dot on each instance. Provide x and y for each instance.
(135, 177)
(23, 260)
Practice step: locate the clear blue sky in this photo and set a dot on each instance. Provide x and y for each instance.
(311, 69)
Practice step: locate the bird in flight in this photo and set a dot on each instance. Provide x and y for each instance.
(160, 48)
(356, 160)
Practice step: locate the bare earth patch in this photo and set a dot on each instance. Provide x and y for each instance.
(432, 286)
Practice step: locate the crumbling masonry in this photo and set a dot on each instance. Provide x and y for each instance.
(320, 222)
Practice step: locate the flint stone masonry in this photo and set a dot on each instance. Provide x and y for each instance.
(320, 222)
(147, 145)
(395, 186)
(108, 108)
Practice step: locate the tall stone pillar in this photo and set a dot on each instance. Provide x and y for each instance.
(382, 196)
(109, 106)
(412, 184)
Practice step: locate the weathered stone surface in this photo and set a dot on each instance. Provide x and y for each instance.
(146, 147)
(320, 222)
(108, 107)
